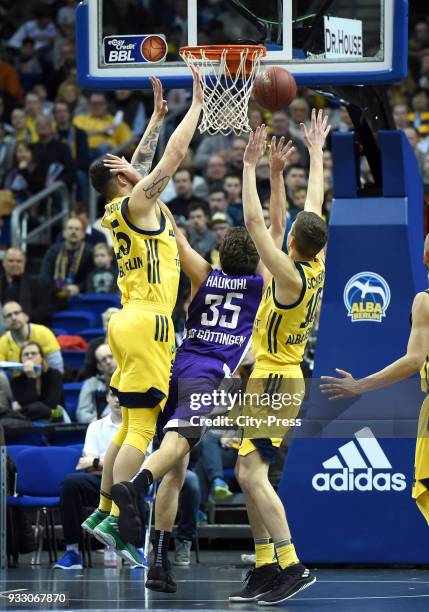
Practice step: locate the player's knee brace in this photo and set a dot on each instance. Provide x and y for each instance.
(141, 428)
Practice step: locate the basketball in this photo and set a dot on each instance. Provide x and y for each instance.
(154, 48)
(275, 88)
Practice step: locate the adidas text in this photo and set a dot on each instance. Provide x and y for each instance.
(349, 480)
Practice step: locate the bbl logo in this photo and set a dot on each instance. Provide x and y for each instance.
(366, 296)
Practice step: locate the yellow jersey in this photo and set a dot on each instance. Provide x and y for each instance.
(148, 260)
(280, 333)
(9, 349)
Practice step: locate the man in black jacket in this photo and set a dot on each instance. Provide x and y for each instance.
(16, 285)
(67, 264)
(54, 160)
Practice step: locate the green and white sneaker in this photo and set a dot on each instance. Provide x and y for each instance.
(94, 520)
(108, 533)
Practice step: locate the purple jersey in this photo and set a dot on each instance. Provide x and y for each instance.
(220, 318)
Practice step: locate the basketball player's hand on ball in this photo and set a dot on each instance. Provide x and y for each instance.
(279, 154)
(319, 129)
(197, 93)
(340, 388)
(119, 165)
(256, 146)
(160, 108)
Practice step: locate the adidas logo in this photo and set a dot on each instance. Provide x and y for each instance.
(366, 455)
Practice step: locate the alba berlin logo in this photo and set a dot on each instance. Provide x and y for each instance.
(360, 465)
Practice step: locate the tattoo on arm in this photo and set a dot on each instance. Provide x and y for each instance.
(156, 187)
(145, 154)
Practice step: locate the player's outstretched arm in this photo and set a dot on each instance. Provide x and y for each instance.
(315, 139)
(145, 194)
(194, 266)
(147, 191)
(277, 262)
(279, 154)
(410, 363)
(145, 150)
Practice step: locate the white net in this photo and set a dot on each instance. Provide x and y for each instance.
(226, 86)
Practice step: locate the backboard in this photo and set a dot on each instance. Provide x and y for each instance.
(332, 42)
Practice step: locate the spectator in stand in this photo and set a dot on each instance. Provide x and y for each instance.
(236, 154)
(424, 71)
(299, 110)
(20, 331)
(219, 225)
(54, 160)
(184, 200)
(295, 177)
(256, 117)
(16, 285)
(419, 40)
(419, 117)
(33, 108)
(103, 278)
(7, 149)
(77, 142)
(19, 123)
(10, 84)
(41, 30)
(297, 199)
(425, 172)
(38, 390)
(92, 397)
(400, 116)
(23, 179)
(83, 489)
(93, 236)
(413, 138)
(70, 93)
(89, 367)
(129, 102)
(210, 146)
(218, 201)
(280, 126)
(28, 65)
(216, 454)
(232, 185)
(200, 235)
(215, 171)
(104, 131)
(67, 265)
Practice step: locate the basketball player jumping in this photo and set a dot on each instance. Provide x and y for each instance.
(282, 325)
(141, 335)
(416, 358)
(218, 332)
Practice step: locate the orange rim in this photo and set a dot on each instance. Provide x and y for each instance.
(233, 55)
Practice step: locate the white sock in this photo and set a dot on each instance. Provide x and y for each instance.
(74, 547)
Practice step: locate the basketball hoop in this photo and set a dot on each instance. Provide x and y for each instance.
(228, 75)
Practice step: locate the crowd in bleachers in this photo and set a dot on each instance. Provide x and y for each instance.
(54, 323)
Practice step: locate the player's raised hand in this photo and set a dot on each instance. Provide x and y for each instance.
(256, 146)
(279, 153)
(119, 165)
(160, 108)
(197, 91)
(319, 129)
(340, 388)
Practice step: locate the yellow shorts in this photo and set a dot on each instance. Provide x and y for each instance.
(421, 465)
(275, 398)
(142, 341)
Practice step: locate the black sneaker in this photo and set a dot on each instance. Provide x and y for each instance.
(130, 522)
(258, 582)
(160, 579)
(288, 583)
